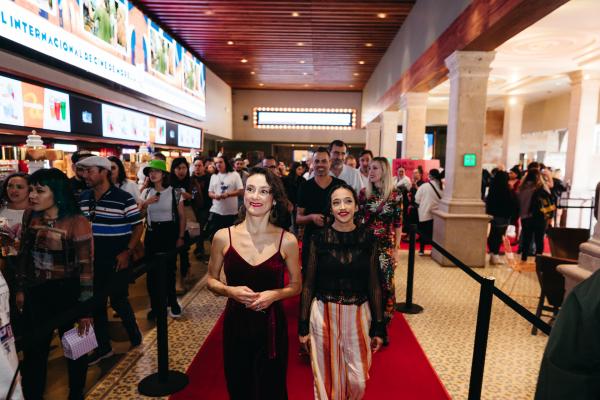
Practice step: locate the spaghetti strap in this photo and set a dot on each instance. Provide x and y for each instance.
(281, 239)
(230, 242)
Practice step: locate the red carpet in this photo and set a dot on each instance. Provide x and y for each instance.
(400, 371)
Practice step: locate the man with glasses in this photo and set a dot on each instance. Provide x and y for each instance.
(270, 163)
(117, 228)
(77, 182)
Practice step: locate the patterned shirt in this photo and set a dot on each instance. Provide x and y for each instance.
(113, 217)
(57, 250)
(382, 220)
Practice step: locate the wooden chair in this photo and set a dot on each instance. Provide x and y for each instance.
(552, 285)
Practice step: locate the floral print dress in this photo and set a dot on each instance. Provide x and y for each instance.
(383, 220)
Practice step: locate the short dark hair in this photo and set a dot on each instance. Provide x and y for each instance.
(60, 186)
(321, 149)
(362, 153)
(270, 157)
(158, 155)
(80, 155)
(199, 158)
(4, 190)
(121, 176)
(338, 143)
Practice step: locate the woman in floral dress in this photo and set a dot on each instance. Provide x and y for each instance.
(381, 205)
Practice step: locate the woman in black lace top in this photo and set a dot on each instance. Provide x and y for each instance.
(341, 313)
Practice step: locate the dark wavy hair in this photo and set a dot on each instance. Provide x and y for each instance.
(329, 218)
(121, 176)
(61, 189)
(279, 213)
(175, 181)
(4, 190)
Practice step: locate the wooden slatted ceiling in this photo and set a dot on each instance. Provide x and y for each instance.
(319, 49)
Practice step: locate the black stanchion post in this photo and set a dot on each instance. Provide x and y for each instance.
(409, 307)
(164, 382)
(484, 313)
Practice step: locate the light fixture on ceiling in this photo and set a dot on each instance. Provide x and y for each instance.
(302, 61)
(305, 73)
(295, 14)
(368, 44)
(261, 84)
(300, 44)
(356, 74)
(243, 61)
(252, 73)
(351, 86)
(306, 85)
(361, 62)
(381, 15)
(230, 42)
(208, 12)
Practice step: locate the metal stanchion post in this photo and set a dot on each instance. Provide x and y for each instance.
(484, 313)
(409, 307)
(164, 382)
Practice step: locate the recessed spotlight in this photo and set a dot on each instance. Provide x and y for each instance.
(305, 73)
(208, 12)
(295, 14)
(252, 73)
(351, 85)
(361, 62)
(381, 15)
(356, 74)
(230, 42)
(261, 84)
(306, 85)
(368, 44)
(300, 44)
(243, 61)
(302, 61)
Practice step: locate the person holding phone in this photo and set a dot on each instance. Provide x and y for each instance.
(313, 195)
(341, 319)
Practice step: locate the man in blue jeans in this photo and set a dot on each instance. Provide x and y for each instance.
(117, 228)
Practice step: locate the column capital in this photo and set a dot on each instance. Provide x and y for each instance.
(581, 76)
(469, 63)
(413, 99)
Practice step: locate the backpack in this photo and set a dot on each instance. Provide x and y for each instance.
(542, 204)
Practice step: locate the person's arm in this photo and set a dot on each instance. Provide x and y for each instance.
(134, 217)
(377, 329)
(291, 255)
(302, 219)
(182, 223)
(241, 294)
(308, 293)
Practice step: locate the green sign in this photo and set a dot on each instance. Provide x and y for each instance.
(469, 160)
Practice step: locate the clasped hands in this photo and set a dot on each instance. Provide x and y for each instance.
(257, 301)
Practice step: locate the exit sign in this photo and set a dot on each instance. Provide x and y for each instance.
(469, 160)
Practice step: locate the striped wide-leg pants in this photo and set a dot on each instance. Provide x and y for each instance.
(340, 350)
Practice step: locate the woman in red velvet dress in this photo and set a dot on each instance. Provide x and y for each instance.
(255, 254)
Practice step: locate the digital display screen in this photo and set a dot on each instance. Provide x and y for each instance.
(113, 40)
(172, 134)
(120, 123)
(86, 116)
(189, 137)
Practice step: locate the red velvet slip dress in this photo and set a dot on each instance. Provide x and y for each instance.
(255, 343)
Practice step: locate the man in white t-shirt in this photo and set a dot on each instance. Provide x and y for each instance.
(224, 188)
(337, 154)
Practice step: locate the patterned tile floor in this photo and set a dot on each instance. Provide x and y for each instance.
(445, 330)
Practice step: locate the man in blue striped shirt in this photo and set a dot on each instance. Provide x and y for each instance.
(117, 228)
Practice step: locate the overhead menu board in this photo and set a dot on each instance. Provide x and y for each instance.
(24, 104)
(120, 123)
(188, 136)
(114, 40)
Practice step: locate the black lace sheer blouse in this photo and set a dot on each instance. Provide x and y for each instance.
(342, 268)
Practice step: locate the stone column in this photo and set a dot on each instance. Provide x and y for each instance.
(373, 139)
(414, 106)
(389, 128)
(460, 223)
(512, 129)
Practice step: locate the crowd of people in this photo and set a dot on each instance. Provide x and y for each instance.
(72, 237)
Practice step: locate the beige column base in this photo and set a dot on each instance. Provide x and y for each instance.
(463, 235)
(589, 255)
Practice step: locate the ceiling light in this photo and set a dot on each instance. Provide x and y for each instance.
(295, 14)
(356, 74)
(369, 44)
(243, 61)
(305, 73)
(361, 62)
(351, 85)
(381, 15)
(300, 44)
(306, 85)
(261, 84)
(252, 73)
(302, 61)
(230, 42)
(208, 12)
